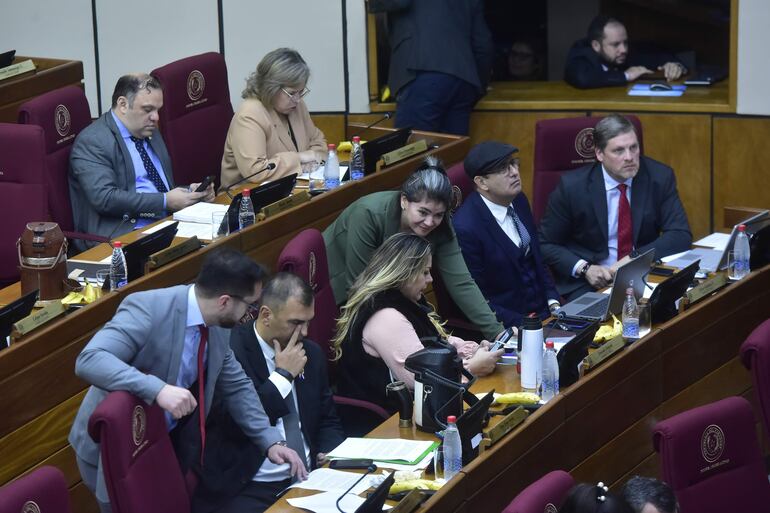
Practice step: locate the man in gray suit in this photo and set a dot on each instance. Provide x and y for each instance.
(441, 59)
(150, 349)
(120, 170)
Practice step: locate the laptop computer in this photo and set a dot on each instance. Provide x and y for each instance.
(597, 306)
(261, 197)
(13, 313)
(713, 260)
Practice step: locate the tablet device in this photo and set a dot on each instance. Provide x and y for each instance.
(6, 58)
(261, 197)
(138, 252)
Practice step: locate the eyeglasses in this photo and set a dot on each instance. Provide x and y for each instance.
(297, 95)
(252, 309)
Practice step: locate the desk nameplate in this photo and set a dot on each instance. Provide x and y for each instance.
(503, 427)
(704, 289)
(298, 198)
(17, 69)
(405, 152)
(602, 354)
(408, 503)
(37, 319)
(170, 254)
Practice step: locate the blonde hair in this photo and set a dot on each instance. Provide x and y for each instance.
(282, 67)
(400, 259)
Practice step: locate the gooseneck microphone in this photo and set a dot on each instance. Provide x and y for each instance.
(387, 115)
(270, 166)
(115, 230)
(371, 468)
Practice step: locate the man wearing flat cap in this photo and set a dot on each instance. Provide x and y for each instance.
(498, 237)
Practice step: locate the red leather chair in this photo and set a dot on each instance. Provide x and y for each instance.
(755, 355)
(42, 490)
(305, 256)
(562, 145)
(711, 458)
(545, 495)
(140, 468)
(461, 183)
(23, 193)
(196, 115)
(61, 115)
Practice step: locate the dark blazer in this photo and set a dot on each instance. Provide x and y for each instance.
(103, 181)
(448, 36)
(230, 459)
(493, 258)
(575, 222)
(584, 66)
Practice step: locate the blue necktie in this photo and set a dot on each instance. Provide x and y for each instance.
(152, 172)
(523, 233)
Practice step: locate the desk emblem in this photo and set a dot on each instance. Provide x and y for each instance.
(30, 507)
(138, 424)
(62, 120)
(584, 143)
(550, 508)
(712, 443)
(195, 85)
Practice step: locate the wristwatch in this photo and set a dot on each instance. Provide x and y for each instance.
(286, 374)
(584, 270)
(282, 443)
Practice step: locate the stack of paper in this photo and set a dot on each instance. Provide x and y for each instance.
(392, 450)
(199, 213)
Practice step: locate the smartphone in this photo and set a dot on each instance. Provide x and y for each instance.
(500, 342)
(662, 271)
(205, 183)
(360, 464)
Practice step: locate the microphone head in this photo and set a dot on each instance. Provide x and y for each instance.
(271, 165)
(388, 115)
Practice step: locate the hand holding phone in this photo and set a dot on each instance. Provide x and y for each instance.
(205, 183)
(500, 342)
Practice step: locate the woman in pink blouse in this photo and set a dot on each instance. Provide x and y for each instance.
(386, 317)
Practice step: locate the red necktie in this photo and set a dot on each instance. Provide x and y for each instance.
(625, 227)
(201, 386)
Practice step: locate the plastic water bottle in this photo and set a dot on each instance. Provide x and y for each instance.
(630, 315)
(453, 449)
(550, 373)
(246, 215)
(332, 169)
(742, 253)
(118, 276)
(357, 159)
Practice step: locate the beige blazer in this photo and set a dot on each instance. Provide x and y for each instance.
(257, 137)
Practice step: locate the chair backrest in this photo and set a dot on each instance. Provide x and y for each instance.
(196, 115)
(305, 256)
(562, 145)
(140, 467)
(545, 495)
(755, 355)
(62, 114)
(23, 193)
(461, 182)
(43, 490)
(711, 458)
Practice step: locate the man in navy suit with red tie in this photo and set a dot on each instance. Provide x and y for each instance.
(498, 237)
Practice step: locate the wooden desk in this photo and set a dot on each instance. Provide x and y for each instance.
(41, 393)
(50, 74)
(601, 427)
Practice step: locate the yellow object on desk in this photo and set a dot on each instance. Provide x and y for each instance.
(607, 332)
(88, 295)
(414, 484)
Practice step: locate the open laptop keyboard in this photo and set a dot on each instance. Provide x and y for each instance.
(597, 309)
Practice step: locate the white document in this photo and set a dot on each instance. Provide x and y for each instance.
(200, 230)
(407, 451)
(420, 465)
(199, 213)
(328, 479)
(318, 174)
(327, 502)
(671, 258)
(715, 240)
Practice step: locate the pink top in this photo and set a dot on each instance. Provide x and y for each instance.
(390, 336)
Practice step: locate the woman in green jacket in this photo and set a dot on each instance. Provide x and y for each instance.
(421, 207)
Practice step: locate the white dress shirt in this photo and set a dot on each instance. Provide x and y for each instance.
(269, 471)
(500, 213)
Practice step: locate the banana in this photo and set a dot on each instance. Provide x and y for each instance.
(414, 484)
(518, 398)
(606, 332)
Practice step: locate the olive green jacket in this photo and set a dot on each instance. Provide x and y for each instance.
(362, 227)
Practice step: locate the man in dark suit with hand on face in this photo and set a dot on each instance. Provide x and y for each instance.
(289, 374)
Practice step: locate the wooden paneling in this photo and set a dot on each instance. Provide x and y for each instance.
(741, 163)
(516, 128)
(332, 125)
(683, 141)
